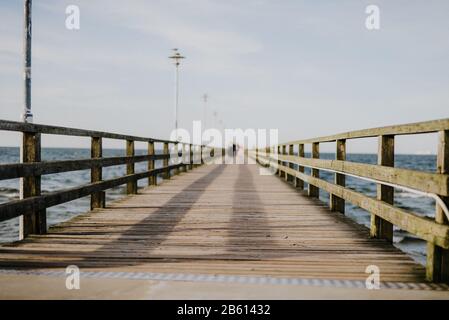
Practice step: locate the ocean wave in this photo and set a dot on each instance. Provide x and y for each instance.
(405, 237)
(406, 194)
(6, 190)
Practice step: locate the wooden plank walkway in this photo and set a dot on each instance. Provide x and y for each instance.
(216, 219)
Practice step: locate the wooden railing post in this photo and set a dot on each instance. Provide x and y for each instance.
(289, 177)
(131, 187)
(267, 156)
(152, 178)
(279, 163)
(201, 154)
(166, 151)
(176, 158)
(298, 182)
(315, 191)
(191, 156)
(97, 199)
(381, 228)
(31, 222)
(336, 203)
(184, 157)
(437, 268)
(284, 152)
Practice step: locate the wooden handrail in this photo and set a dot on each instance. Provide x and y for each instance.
(6, 125)
(32, 207)
(28, 206)
(420, 180)
(403, 129)
(384, 215)
(19, 170)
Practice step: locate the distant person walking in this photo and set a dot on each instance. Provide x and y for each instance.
(234, 150)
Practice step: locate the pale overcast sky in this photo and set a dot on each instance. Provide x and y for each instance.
(308, 68)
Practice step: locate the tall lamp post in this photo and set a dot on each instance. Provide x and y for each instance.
(26, 223)
(27, 116)
(176, 57)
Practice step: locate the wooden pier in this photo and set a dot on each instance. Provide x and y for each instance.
(228, 220)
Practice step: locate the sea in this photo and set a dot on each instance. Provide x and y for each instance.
(9, 190)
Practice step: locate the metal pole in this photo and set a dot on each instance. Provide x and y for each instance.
(27, 116)
(176, 57)
(176, 99)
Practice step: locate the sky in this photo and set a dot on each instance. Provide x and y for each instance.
(306, 68)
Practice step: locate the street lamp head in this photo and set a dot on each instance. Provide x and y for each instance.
(176, 56)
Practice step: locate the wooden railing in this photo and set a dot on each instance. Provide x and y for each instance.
(383, 212)
(32, 207)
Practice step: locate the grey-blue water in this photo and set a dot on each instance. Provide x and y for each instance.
(9, 190)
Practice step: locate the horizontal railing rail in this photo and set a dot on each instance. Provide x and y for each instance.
(31, 208)
(19, 170)
(13, 209)
(420, 180)
(6, 125)
(404, 129)
(291, 164)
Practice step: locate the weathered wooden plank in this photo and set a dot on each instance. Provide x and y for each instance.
(216, 220)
